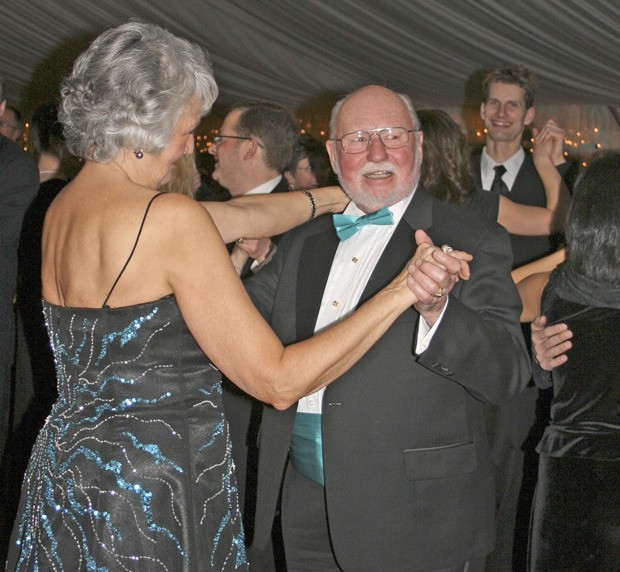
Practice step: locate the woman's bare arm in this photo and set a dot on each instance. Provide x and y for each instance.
(258, 216)
(531, 280)
(540, 221)
(232, 333)
(544, 264)
(530, 290)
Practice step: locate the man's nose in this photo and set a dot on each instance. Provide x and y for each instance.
(212, 149)
(377, 151)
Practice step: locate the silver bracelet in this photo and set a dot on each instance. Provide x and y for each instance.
(312, 202)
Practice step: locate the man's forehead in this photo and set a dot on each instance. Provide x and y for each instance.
(361, 118)
(506, 91)
(231, 119)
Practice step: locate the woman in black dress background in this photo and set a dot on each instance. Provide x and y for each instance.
(576, 516)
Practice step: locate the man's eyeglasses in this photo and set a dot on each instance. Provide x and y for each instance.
(359, 141)
(217, 139)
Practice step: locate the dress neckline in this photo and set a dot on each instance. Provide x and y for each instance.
(109, 308)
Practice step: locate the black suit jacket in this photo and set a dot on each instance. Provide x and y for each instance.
(527, 189)
(19, 181)
(244, 414)
(407, 478)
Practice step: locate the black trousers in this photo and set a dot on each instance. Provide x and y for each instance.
(305, 530)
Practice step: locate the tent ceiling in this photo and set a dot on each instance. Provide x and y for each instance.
(300, 52)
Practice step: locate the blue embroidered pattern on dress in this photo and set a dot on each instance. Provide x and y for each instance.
(102, 489)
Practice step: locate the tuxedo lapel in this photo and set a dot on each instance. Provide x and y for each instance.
(313, 270)
(402, 245)
(477, 164)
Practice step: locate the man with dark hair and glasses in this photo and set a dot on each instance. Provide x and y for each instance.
(252, 149)
(387, 468)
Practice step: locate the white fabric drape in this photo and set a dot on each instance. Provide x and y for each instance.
(302, 52)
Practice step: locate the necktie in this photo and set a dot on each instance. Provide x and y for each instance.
(498, 185)
(347, 225)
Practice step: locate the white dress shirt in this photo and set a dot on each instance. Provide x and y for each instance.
(265, 188)
(487, 164)
(353, 264)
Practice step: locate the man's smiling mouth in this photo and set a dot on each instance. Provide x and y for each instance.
(378, 174)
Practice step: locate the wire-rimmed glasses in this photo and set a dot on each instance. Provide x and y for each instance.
(359, 141)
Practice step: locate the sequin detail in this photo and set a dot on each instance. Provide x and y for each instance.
(133, 468)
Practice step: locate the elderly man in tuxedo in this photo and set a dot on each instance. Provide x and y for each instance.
(387, 468)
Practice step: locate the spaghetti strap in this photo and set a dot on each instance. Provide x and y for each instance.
(146, 212)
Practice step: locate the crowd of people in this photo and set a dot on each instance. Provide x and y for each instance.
(329, 371)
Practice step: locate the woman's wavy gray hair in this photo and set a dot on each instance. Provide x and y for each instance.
(128, 89)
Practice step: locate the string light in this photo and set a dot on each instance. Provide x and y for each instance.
(580, 143)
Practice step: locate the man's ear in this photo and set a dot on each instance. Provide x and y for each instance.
(529, 116)
(251, 148)
(2, 106)
(482, 108)
(331, 151)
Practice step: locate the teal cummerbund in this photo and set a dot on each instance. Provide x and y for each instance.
(306, 449)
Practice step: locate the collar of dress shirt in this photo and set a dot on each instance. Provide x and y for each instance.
(487, 174)
(265, 187)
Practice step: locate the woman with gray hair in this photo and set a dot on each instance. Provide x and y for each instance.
(133, 468)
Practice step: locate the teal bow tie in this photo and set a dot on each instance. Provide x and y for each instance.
(347, 225)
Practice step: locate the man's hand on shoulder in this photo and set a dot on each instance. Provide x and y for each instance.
(550, 343)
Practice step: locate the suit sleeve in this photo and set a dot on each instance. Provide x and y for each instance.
(263, 285)
(479, 343)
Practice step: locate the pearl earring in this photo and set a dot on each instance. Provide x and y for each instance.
(139, 154)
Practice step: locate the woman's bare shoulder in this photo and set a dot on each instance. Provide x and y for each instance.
(180, 212)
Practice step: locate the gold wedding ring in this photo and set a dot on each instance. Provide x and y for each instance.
(447, 249)
(440, 292)
(240, 240)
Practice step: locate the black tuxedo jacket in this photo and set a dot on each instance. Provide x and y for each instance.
(526, 190)
(407, 479)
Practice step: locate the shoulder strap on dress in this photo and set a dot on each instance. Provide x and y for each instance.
(146, 212)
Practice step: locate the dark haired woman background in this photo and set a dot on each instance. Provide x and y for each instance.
(576, 518)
